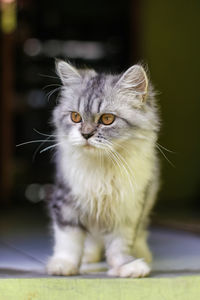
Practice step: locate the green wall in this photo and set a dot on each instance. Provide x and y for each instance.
(170, 45)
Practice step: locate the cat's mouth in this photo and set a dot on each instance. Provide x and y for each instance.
(89, 146)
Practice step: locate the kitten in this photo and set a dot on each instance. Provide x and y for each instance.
(107, 171)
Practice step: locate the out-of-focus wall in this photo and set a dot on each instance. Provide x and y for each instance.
(170, 44)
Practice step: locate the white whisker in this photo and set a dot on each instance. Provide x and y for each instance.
(50, 85)
(44, 134)
(121, 164)
(113, 159)
(170, 151)
(128, 172)
(35, 141)
(44, 75)
(165, 156)
(124, 161)
(52, 92)
(39, 147)
(158, 146)
(49, 147)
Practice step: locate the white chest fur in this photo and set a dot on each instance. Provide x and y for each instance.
(107, 190)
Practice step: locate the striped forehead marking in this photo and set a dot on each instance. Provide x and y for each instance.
(93, 94)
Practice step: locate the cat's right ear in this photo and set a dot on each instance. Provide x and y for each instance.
(67, 73)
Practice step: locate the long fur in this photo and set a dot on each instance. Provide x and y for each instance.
(107, 185)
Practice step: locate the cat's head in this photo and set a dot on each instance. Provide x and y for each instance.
(96, 111)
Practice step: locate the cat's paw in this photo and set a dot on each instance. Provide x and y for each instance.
(136, 268)
(60, 266)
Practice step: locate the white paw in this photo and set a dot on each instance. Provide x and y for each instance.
(136, 268)
(61, 266)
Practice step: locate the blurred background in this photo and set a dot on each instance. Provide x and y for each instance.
(109, 36)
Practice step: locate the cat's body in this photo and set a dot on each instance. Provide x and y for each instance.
(107, 171)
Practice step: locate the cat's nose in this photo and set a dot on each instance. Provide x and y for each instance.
(88, 130)
(87, 135)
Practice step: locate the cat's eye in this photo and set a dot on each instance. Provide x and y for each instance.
(76, 118)
(107, 119)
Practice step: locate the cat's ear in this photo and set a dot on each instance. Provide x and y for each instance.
(135, 81)
(67, 73)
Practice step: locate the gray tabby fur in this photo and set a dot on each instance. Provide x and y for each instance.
(105, 185)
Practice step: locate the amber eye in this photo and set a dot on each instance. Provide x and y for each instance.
(76, 117)
(107, 119)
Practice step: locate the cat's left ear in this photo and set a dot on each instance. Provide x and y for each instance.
(67, 73)
(134, 81)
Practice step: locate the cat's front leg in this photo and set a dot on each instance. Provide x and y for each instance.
(93, 249)
(119, 249)
(68, 249)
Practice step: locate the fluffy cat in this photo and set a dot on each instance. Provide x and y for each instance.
(107, 174)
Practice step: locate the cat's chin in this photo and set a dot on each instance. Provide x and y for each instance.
(91, 148)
